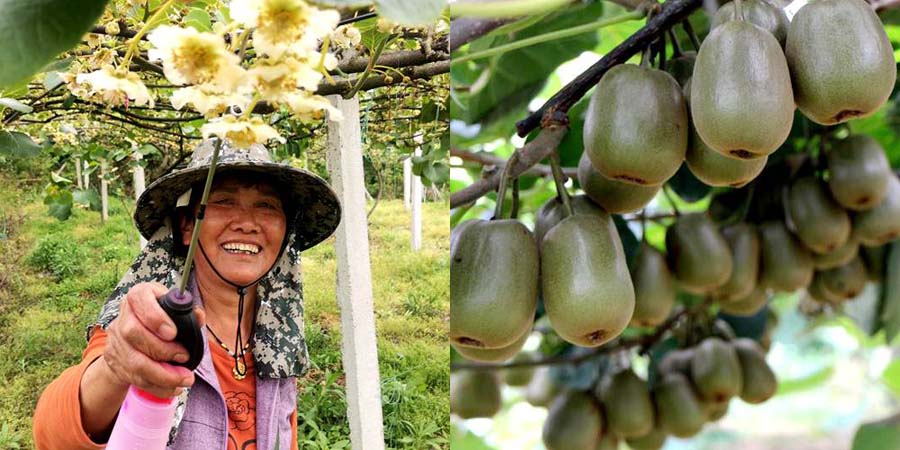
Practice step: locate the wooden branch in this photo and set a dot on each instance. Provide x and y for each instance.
(545, 143)
(671, 12)
(404, 58)
(487, 159)
(463, 31)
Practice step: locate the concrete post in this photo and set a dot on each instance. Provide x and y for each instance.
(416, 201)
(104, 193)
(354, 279)
(139, 184)
(407, 181)
(87, 176)
(78, 183)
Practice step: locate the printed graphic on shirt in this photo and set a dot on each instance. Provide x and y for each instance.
(241, 417)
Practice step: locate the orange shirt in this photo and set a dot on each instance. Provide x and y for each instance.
(57, 418)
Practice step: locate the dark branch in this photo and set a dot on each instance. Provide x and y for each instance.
(545, 143)
(487, 159)
(671, 12)
(463, 31)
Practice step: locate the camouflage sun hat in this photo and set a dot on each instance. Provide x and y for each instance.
(317, 209)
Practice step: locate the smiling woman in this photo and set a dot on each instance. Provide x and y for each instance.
(247, 294)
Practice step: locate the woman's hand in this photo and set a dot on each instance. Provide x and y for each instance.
(141, 340)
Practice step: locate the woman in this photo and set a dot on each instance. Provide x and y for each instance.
(246, 288)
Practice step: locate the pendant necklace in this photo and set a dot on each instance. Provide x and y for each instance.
(239, 370)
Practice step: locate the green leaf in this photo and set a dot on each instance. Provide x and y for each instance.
(687, 186)
(35, 31)
(52, 80)
(506, 83)
(882, 435)
(199, 19)
(891, 377)
(17, 144)
(59, 203)
(89, 198)
(59, 179)
(410, 12)
(15, 105)
(803, 383)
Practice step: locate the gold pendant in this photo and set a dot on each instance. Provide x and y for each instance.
(239, 371)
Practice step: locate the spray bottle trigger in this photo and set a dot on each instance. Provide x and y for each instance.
(180, 308)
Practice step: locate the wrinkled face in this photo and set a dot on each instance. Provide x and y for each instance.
(242, 231)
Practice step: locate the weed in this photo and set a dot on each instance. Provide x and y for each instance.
(57, 255)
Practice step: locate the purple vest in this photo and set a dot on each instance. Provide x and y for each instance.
(204, 424)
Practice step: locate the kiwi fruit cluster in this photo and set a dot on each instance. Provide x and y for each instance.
(823, 222)
(689, 388)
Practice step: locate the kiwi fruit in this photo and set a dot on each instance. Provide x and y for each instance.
(846, 281)
(698, 255)
(742, 104)
(679, 410)
(873, 257)
(635, 128)
(716, 370)
(654, 287)
(629, 409)
(678, 360)
(492, 354)
(743, 241)
(654, 440)
(474, 394)
(858, 172)
(553, 211)
(587, 290)
(786, 264)
(838, 76)
(574, 421)
(608, 442)
(542, 388)
(716, 410)
(820, 293)
(838, 257)
(881, 224)
(821, 224)
(758, 12)
(760, 383)
(681, 67)
(520, 376)
(747, 305)
(494, 271)
(616, 197)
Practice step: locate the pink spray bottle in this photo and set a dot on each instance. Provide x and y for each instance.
(144, 419)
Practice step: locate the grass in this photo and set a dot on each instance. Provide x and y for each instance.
(55, 276)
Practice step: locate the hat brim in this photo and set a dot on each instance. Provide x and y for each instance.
(318, 211)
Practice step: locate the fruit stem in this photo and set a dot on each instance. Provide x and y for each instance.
(514, 211)
(661, 51)
(739, 9)
(646, 56)
(686, 24)
(501, 190)
(676, 46)
(560, 179)
(547, 37)
(667, 191)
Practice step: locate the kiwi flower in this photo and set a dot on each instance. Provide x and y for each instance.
(192, 57)
(276, 79)
(116, 87)
(346, 36)
(208, 100)
(283, 25)
(241, 131)
(309, 107)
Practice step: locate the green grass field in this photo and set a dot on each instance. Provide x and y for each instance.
(54, 276)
